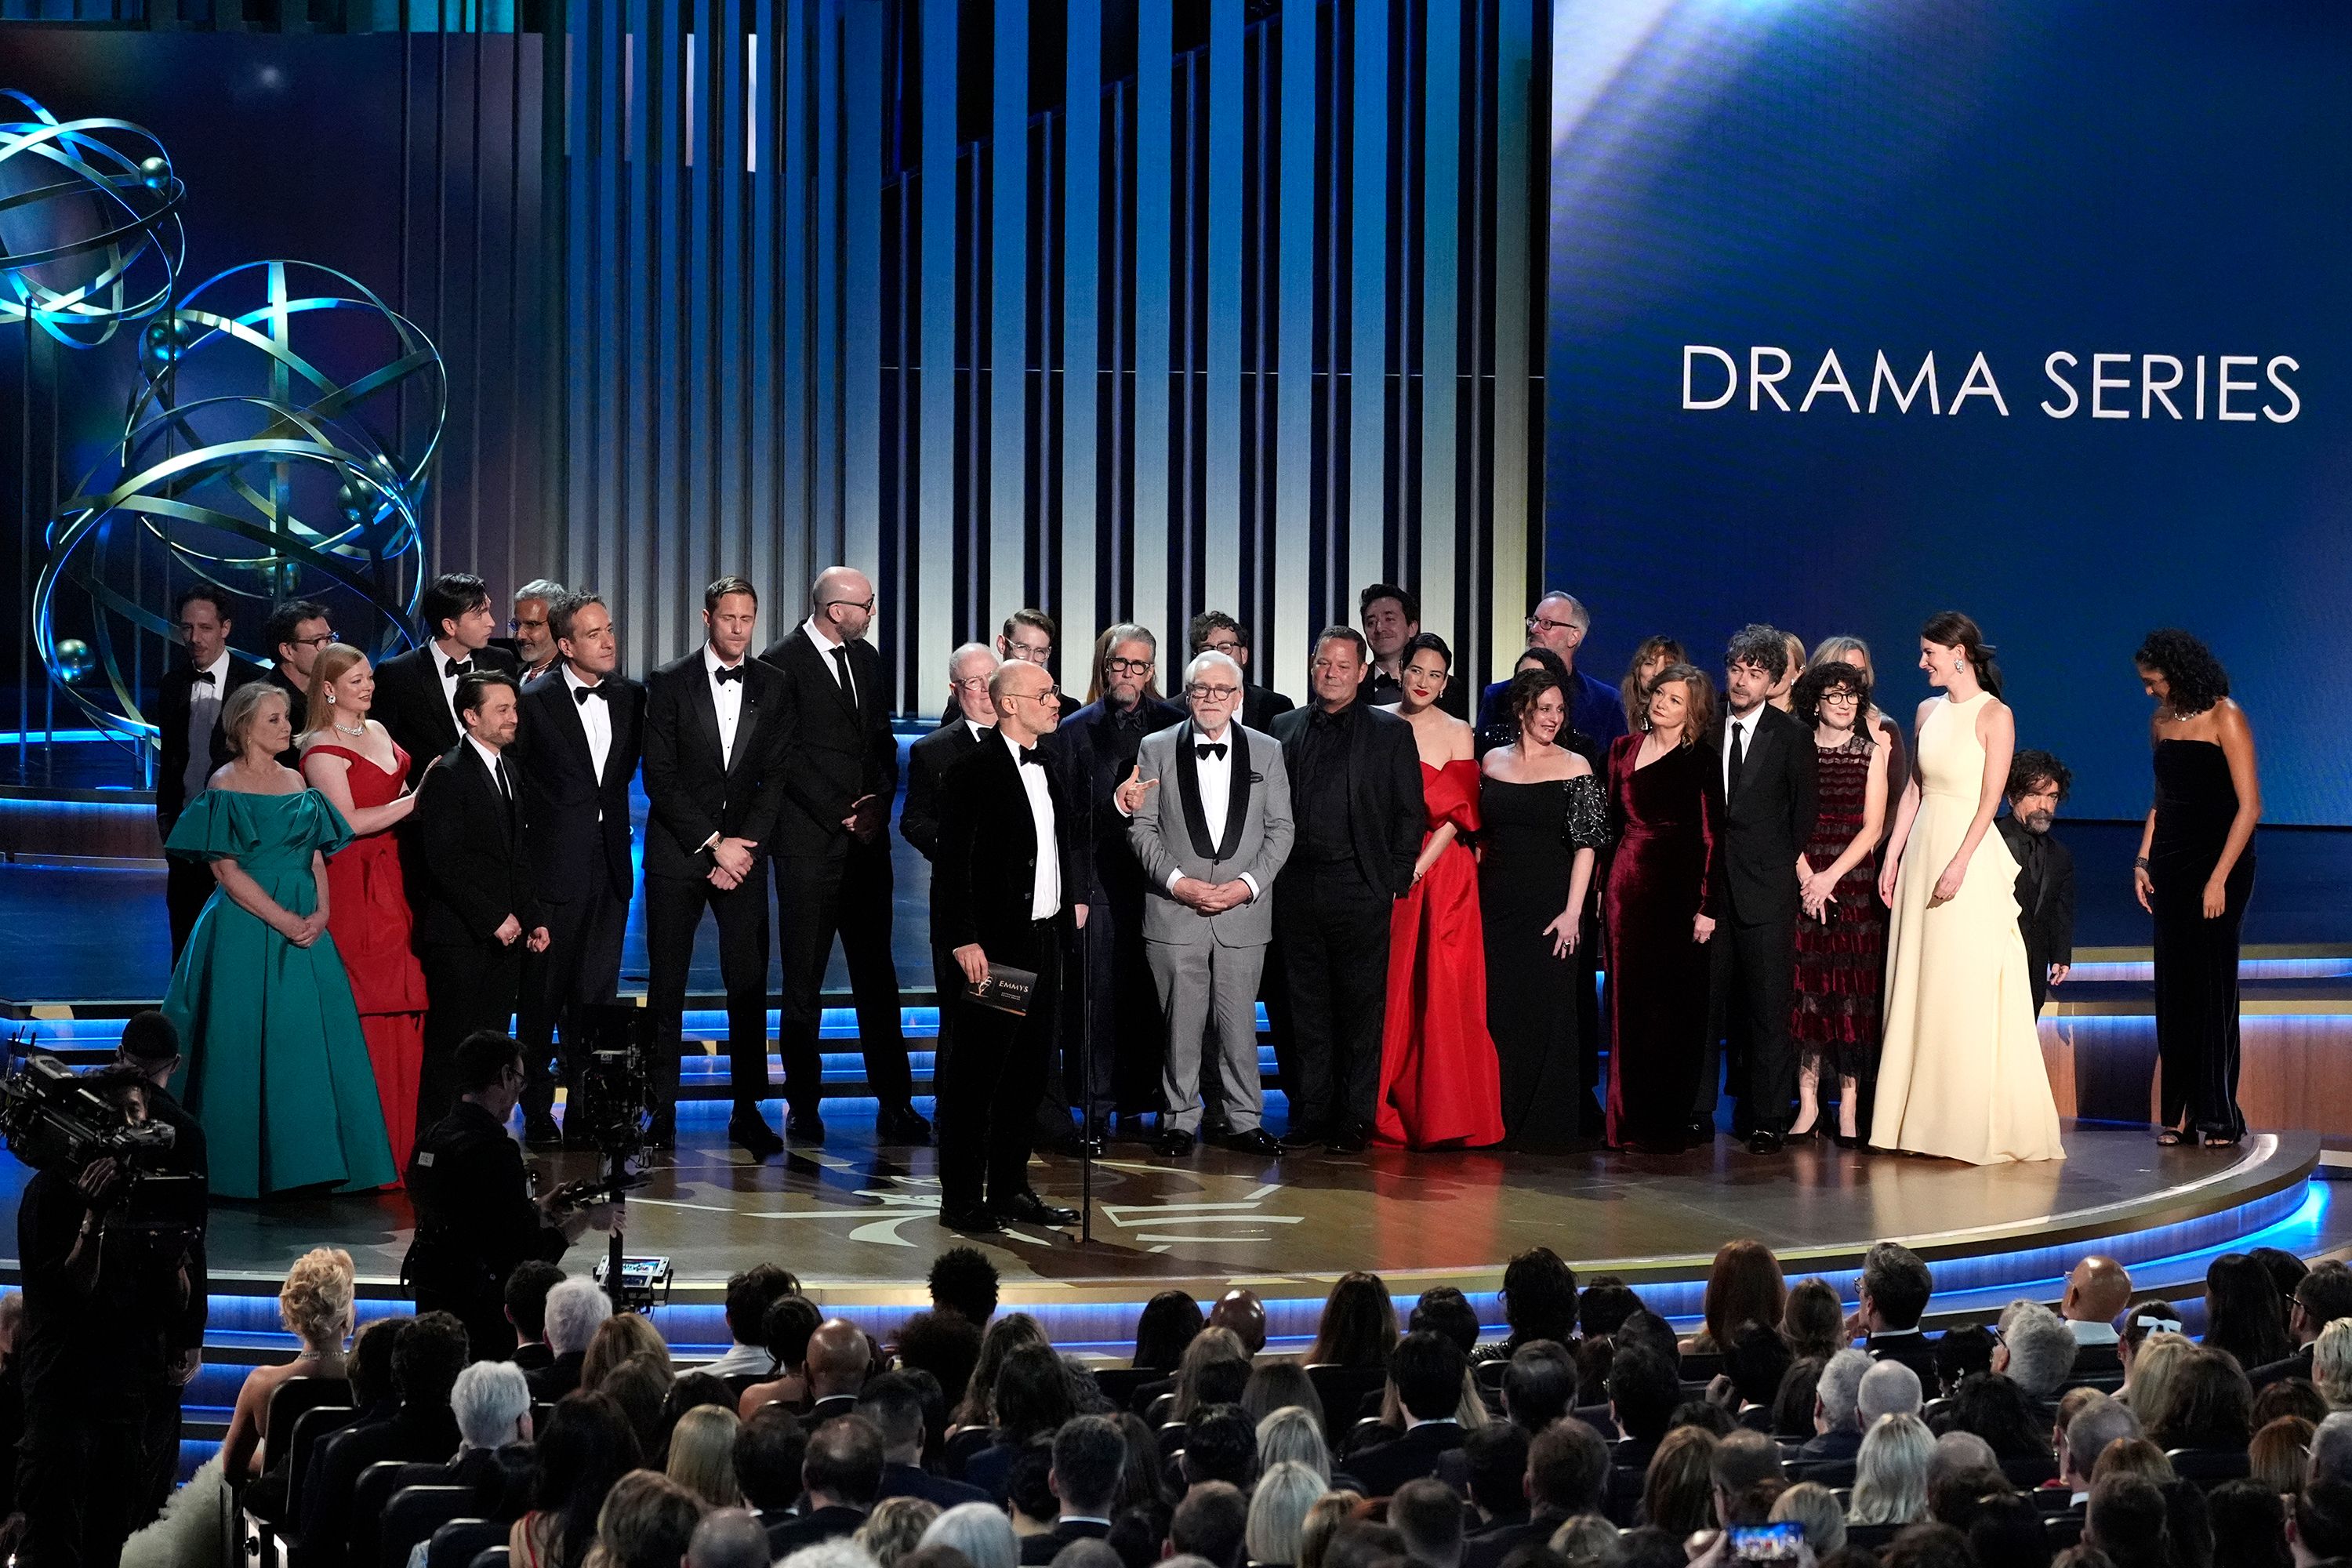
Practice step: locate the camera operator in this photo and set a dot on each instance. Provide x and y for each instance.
(476, 1219)
(107, 1292)
(151, 1048)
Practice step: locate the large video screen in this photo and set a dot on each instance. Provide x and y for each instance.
(2036, 309)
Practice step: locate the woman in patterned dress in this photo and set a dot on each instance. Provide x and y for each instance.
(1842, 938)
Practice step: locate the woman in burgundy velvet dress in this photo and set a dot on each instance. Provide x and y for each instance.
(1440, 1083)
(351, 760)
(1664, 809)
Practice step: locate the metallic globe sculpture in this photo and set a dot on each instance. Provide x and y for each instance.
(89, 223)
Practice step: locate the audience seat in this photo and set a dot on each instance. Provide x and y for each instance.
(1489, 1374)
(457, 1543)
(2062, 1530)
(2028, 1471)
(297, 1395)
(372, 1495)
(1342, 1389)
(1871, 1538)
(1701, 1367)
(489, 1557)
(314, 1427)
(2209, 1468)
(1120, 1384)
(413, 1515)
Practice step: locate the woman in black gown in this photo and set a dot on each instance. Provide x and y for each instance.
(2194, 874)
(1543, 815)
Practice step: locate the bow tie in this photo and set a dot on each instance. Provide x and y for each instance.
(1128, 718)
(723, 675)
(1204, 750)
(581, 694)
(1329, 718)
(207, 677)
(1029, 757)
(454, 668)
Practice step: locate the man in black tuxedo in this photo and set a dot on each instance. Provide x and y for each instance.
(1427, 1369)
(296, 632)
(1027, 634)
(582, 729)
(712, 754)
(476, 913)
(190, 742)
(416, 691)
(1120, 1029)
(1770, 803)
(1213, 631)
(928, 759)
(1007, 887)
(1392, 619)
(2038, 784)
(1895, 1290)
(832, 851)
(1355, 795)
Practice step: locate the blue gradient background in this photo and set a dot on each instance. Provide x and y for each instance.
(2015, 179)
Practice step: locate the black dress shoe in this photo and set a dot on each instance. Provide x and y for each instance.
(1764, 1142)
(661, 1129)
(1699, 1130)
(1307, 1135)
(1256, 1141)
(750, 1129)
(1172, 1142)
(973, 1221)
(540, 1131)
(1352, 1140)
(902, 1124)
(1028, 1208)
(805, 1125)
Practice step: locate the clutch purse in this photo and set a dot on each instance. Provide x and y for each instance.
(1006, 989)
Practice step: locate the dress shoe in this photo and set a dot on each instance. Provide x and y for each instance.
(975, 1221)
(1764, 1142)
(1351, 1140)
(1699, 1130)
(805, 1125)
(1026, 1207)
(540, 1131)
(1305, 1135)
(901, 1125)
(661, 1129)
(1256, 1141)
(750, 1129)
(1172, 1142)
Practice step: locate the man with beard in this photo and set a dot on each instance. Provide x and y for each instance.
(2038, 784)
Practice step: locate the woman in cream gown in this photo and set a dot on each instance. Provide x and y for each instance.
(1960, 1074)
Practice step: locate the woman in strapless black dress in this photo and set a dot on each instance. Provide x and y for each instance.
(2194, 874)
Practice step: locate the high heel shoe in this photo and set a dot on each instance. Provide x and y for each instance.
(1799, 1135)
(1847, 1139)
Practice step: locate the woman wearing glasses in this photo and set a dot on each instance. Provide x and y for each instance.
(1842, 938)
(1438, 1077)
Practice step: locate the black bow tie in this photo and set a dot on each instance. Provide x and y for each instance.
(1128, 718)
(1029, 757)
(454, 668)
(1204, 750)
(723, 674)
(1329, 718)
(581, 694)
(207, 677)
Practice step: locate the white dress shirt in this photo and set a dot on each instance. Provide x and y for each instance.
(837, 668)
(976, 727)
(492, 760)
(727, 699)
(448, 681)
(1046, 888)
(203, 716)
(595, 719)
(1744, 728)
(1216, 777)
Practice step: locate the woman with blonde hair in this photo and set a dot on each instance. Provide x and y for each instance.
(896, 1528)
(1279, 1508)
(276, 1063)
(1324, 1517)
(353, 761)
(617, 1339)
(2153, 1372)
(316, 1306)
(1293, 1435)
(1890, 1474)
(1814, 1507)
(702, 1455)
(2331, 1364)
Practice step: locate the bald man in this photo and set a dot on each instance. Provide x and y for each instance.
(839, 1356)
(2097, 1291)
(832, 852)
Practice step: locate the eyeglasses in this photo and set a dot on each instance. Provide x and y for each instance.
(521, 621)
(866, 603)
(1127, 666)
(324, 639)
(1545, 623)
(1051, 694)
(1032, 652)
(970, 683)
(1228, 647)
(1200, 691)
(1847, 696)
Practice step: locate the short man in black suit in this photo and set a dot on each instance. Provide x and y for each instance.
(296, 632)
(477, 911)
(582, 730)
(711, 754)
(190, 742)
(1355, 795)
(832, 851)
(416, 691)
(1427, 1369)
(1028, 635)
(1007, 887)
(1119, 1029)
(1213, 631)
(1769, 802)
(2038, 784)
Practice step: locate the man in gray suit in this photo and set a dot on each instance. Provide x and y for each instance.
(1209, 843)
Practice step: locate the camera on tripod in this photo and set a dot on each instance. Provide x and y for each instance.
(52, 1120)
(610, 1106)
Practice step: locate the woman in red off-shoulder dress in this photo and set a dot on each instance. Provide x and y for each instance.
(1439, 1080)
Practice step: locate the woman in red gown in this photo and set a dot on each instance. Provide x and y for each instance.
(1439, 1080)
(351, 759)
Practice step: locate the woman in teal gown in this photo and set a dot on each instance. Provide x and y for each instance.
(276, 1065)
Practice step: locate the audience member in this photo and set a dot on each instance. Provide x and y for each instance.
(1031, 1399)
(2321, 1297)
(1429, 1516)
(2097, 1291)
(647, 1522)
(1754, 1362)
(1603, 1307)
(1088, 1455)
(1539, 1300)
(1837, 1427)
(1743, 1286)
(1890, 1388)
(622, 1336)
(749, 1296)
(2245, 1311)
(2208, 1405)
(2288, 1397)
(1330, 1511)
(1220, 1445)
(1277, 1513)
(1167, 1323)
(770, 1449)
(1927, 1544)
(894, 1403)
(1241, 1310)
(1539, 1385)
(2280, 1453)
(1361, 1543)
(2319, 1523)
(1890, 1478)
(1212, 1523)
(2331, 1451)
(1962, 1351)
(1003, 1337)
(2127, 1520)
(640, 1386)
(1491, 1469)
(1426, 1369)
(427, 1354)
(839, 1357)
(963, 1281)
(574, 1310)
(840, 1477)
(702, 1456)
(1212, 1370)
(980, 1532)
(2094, 1428)
(1814, 1507)
(1739, 1463)
(316, 1306)
(943, 1344)
(1993, 1406)
(895, 1529)
(2250, 1525)
(1274, 1384)
(727, 1538)
(2036, 1350)
(2004, 1527)
(1446, 1311)
(587, 1447)
(1358, 1324)
(1677, 1489)
(1894, 1290)
(1292, 1435)
(526, 1306)
(1797, 1398)
(1813, 1319)
(2330, 1361)
(790, 1324)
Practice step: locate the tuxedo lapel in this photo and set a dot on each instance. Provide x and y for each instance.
(1187, 794)
(624, 736)
(704, 712)
(746, 717)
(1238, 796)
(575, 728)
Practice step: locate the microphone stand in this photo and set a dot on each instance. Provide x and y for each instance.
(1086, 1056)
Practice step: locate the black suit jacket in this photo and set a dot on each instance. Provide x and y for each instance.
(297, 706)
(469, 854)
(1385, 1467)
(1088, 752)
(690, 792)
(1768, 823)
(813, 1529)
(567, 844)
(1915, 1351)
(2046, 893)
(910, 1481)
(173, 741)
(1039, 1550)
(836, 751)
(557, 1378)
(1489, 1547)
(927, 761)
(1387, 812)
(1261, 705)
(985, 873)
(409, 703)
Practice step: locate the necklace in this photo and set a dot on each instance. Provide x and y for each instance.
(355, 729)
